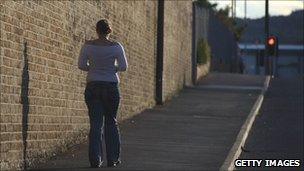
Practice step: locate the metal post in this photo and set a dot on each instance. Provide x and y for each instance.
(276, 58)
(257, 62)
(231, 8)
(245, 24)
(234, 9)
(267, 62)
(194, 48)
(160, 53)
(245, 15)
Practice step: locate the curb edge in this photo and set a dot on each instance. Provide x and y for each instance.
(235, 150)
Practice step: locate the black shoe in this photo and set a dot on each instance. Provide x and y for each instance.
(96, 165)
(113, 163)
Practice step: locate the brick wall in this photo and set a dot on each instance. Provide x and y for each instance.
(42, 105)
(224, 58)
(177, 46)
(201, 32)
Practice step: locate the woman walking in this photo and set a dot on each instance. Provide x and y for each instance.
(102, 59)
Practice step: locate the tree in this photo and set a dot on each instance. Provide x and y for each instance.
(206, 4)
(223, 15)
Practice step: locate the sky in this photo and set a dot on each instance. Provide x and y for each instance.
(256, 8)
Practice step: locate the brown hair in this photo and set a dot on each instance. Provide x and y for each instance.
(103, 27)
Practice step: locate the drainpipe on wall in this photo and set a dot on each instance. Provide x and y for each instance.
(194, 61)
(160, 52)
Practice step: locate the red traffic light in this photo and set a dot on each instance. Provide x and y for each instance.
(271, 41)
(272, 45)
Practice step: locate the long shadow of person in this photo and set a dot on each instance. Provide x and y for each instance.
(25, 104)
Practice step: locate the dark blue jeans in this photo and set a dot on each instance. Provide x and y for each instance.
(102, 99)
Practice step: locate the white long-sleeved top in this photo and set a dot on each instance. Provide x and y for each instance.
(102, 62)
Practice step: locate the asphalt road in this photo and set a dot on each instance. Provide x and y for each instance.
(277, 132)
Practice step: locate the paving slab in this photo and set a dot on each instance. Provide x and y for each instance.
(193, 131)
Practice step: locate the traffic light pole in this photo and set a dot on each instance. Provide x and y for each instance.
(267, 59)
(275, 68)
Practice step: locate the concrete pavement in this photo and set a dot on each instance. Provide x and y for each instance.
(193, 131)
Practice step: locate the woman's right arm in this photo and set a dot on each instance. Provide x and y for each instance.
(121, 59)
(83, 59)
